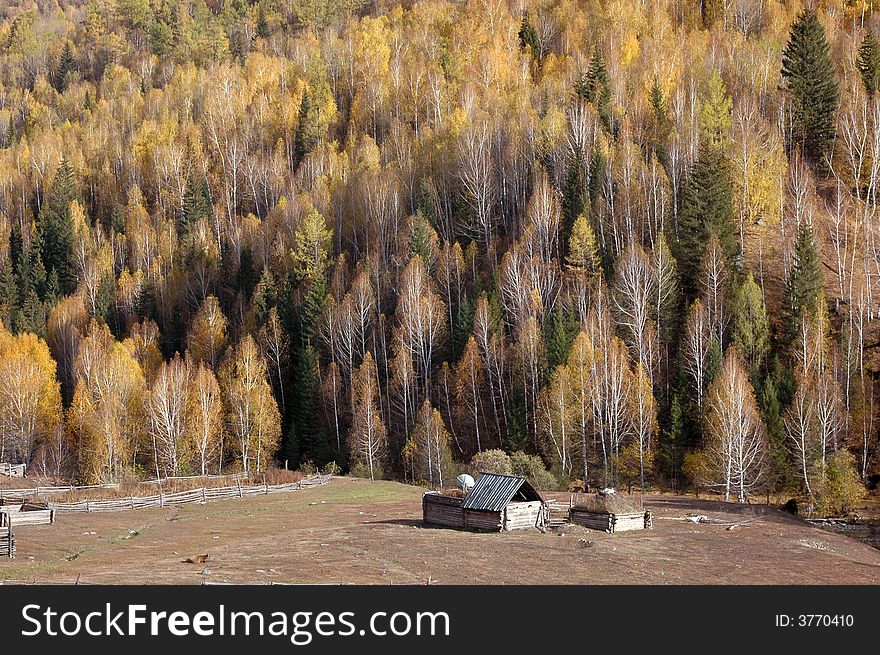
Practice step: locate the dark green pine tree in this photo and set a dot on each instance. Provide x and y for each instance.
(246, 279)
(658, 103)
(52, 293)
(780, 469)
(661, 121)
(104, 301)
(31, 273)
(262, 22)
(31, 316)
(672, 444)
(117, 219)
(809, 71)
(594, 87)
(303, 142)
(597, 174)
(66, 66)
(464, 322)
(868, 63)
(804, 281)
(313, 307)
(706, 208)
(197, 203)
(55, 227)
(265, 296)
(529, 37)
(575, 194)
(420, 237)
(307, 440)
(560, 330)
(9, 295)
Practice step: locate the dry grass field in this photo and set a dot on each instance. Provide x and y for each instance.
(355, 531)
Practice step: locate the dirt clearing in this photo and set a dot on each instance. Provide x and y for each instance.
(355, 531)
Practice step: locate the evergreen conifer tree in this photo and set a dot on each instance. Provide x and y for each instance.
(575, 195)
(594, 87)
(868, 63)
(55, 227)
(706, 208)
(313, 306)
(751, 328)
(262, 22)
(529, 37)
(302, 141)
(66, 66)
(809, 72)
(307, 439)
(9, 294)
(196, 203)
(804, 280)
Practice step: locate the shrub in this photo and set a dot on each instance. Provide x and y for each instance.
(308, 468)
(532, 468)
(694, 469)
(630, 466)
(361, 470)
(491, 461)
(840, 489)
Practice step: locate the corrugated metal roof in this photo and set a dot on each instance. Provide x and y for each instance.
(494, 490)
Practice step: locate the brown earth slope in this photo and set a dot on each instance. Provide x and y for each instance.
(353, 531)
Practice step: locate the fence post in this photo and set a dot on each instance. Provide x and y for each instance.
(204, 497)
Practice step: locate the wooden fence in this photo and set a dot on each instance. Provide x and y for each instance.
(12, 470)
(7, 542)
(63, 489)
(201, 495)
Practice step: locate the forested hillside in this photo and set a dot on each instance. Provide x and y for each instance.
(632, 242)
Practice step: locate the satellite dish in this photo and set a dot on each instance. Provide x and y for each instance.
(465, 481)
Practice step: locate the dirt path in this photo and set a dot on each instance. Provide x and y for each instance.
(353, 531)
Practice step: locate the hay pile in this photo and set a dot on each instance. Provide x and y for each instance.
(455, 492)
(612, 503)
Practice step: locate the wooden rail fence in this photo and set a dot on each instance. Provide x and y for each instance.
(7, 542)
(200, 495)
(69, 488)
(12, 470)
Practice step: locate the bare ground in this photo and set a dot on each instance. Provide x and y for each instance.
(354, 531)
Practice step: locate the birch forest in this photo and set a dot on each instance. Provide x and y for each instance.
(598, 243)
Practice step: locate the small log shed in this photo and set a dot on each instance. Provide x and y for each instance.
(496, 503)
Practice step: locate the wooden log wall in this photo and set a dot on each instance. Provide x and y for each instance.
(626, 522)
(594, 520)
(519, 516)
(25, 515)
(611, 523)
(438, 509)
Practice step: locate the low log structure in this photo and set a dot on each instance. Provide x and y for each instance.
(611, 522)
(12, 470)
(497, 503)
(26, 514)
